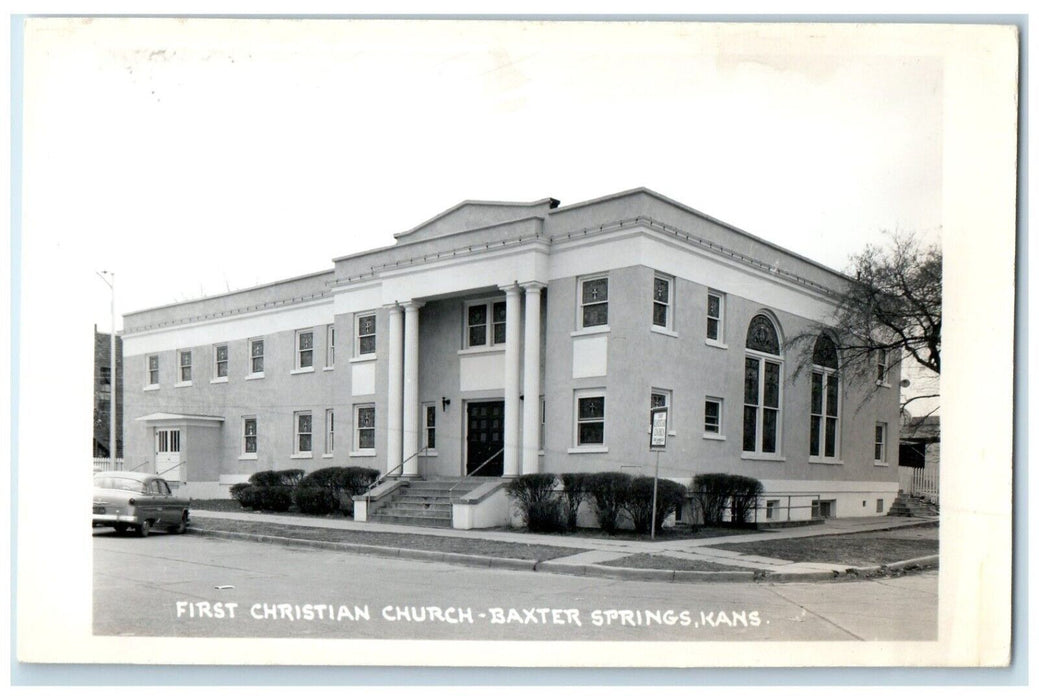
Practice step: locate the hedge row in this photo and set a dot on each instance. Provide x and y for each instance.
(545, 508)
(320, 492)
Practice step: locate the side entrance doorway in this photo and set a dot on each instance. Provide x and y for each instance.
(485, 437)
(167, 453)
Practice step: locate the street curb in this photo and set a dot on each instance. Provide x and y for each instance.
(593, 570)
(474, 560)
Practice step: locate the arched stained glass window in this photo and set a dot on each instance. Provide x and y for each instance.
(762, 335)
(825, 353)
(762, 389)
(824, 434)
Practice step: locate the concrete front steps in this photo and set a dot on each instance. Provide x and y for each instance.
(912, 507)
(422, 502)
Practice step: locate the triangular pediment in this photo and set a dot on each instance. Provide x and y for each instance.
(471, 215)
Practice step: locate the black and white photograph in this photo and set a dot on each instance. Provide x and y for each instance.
(531, 343)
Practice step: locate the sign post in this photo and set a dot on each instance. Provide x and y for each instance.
(657, 443)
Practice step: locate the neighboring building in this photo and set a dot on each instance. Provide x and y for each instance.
(103, 394)
(530, 337)
(919, 454)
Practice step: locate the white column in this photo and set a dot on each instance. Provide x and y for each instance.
(411, 407)
(394, 443)
(532, 377)
(512, 381)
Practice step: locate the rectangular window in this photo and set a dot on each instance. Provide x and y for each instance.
(881, 366)
(712, 416)
(364, 427)
(880, 505)
(153, 370)
(221, 361)
(772, 509)
(823, 426)
(761, 401)
(304, 349)
(249, 435)
(256, 355)
(485, 323)
(330, 431)
(185, 365)
(541, 428)
(593, 297)
(715, 315)
(663, 287)
(591, 419)
(429, 425)
(105, 375)
(365, 335)
(661, 398)
(304, 425)
(330, 345)
(880, 444)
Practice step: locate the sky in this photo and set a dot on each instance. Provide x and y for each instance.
(193, 157)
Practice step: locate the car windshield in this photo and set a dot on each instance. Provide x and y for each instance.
(121, 483)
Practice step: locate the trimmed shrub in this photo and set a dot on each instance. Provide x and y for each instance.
(275, 498)
(340, 485)
(609, 489)
(536, 500)
(265, 478)
(290, 477)
(245, 494)
(638, 502)
(715, 493)
(315, 500)
(745, 491)
(575, 491)
(545, 516)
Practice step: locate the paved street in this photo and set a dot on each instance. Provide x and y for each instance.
(191, 586)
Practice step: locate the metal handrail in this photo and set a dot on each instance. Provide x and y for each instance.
(384, 477)
(183, 461)
(147, 461)
(473, 472)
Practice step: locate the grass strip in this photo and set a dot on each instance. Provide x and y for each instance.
(459, 545)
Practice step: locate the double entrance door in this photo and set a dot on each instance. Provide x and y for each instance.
(485, 437)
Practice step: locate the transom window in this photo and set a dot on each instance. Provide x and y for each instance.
(824, 435)
(663, 288)
(304, 349)
(485, 323)
(594, 301)
(366, 334)
(762, 388)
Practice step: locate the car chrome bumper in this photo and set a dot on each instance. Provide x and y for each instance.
(113, 518)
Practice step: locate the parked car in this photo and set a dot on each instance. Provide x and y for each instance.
(125, 500)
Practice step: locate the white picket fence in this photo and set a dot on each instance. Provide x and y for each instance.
(104, 464)
(919, 482)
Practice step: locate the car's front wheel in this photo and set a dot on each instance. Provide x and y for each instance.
(180, 527)
(144, 529)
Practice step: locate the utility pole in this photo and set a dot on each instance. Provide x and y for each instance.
(113, 373)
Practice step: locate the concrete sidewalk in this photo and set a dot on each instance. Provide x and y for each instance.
(601, 550)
